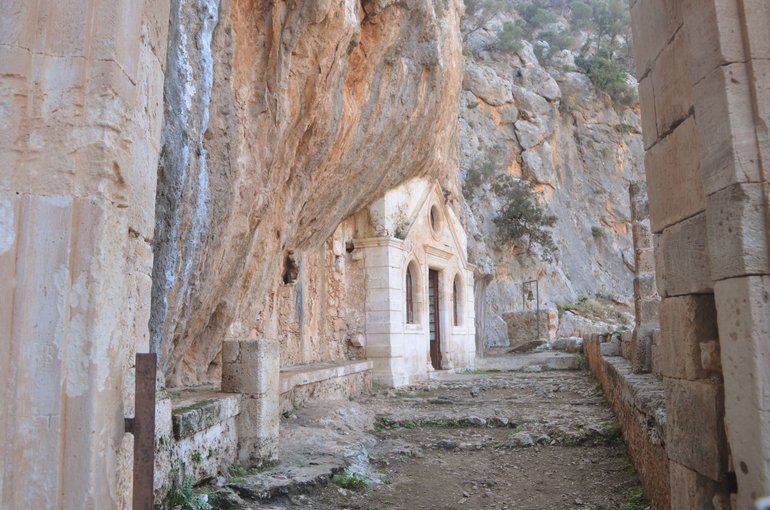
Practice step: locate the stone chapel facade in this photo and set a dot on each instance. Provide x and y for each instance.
(388, 298)
(419, 285)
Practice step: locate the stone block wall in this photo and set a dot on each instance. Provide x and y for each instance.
(196, 437)
(523, 326)
(338, 387)
(703, 75)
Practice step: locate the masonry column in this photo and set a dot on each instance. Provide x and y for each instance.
(645, 356)
(252, 368)
(384, 302)
(731, 87)
(695, 435)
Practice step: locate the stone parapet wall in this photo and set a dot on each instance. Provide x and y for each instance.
(638, 401)
(336, 388)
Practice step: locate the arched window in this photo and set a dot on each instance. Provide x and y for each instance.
(456, 298)
(409, 296)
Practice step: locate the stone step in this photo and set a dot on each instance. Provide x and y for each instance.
(535, 362)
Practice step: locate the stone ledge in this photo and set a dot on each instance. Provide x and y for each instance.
(195, 411)
(638, 401)
(644, 392)
(500, 359)
(301, 375)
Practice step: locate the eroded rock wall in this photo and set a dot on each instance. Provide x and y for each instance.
(280, 121)
(535, 115)
(316, 310)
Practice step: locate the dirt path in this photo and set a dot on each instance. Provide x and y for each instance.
(512, 440)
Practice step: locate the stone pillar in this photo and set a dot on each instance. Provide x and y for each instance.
(695, 434)
(384, 258)
(81, 89)
(644, 351)
(252, 368)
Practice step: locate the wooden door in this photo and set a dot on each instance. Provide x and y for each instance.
(434, 318)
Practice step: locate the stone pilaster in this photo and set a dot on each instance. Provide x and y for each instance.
(252, 368)
(81, 84)
(646, 298)
(702, 67)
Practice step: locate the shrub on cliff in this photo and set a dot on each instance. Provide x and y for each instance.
(481, 172)
(509, 38)
(607, 19)
(481, 12)
(557, 41)
(536, 14)
(522, 218)
(608, 75)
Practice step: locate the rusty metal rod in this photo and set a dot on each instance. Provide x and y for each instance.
(142, 426)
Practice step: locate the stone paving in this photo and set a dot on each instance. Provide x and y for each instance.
(523, 439)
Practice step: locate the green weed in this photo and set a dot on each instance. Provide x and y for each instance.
(238, 472)
(350, 480)
(187, 499)
(635, 500)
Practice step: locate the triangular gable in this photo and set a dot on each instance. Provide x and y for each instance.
(435, 190)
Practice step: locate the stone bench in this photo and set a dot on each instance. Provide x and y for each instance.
(196, 435)
(323, 381)
(638, 401)
(195, 411)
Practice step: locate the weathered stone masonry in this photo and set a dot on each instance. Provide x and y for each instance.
(645, 341)
(703, 69)
(80, 118)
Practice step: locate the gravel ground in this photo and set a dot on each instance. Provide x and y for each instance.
(508, 440)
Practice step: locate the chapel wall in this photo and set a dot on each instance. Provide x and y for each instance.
(316, 308)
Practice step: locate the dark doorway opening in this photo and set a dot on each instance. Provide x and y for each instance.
(434, 319)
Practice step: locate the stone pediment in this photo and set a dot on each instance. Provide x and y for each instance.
(449, 240)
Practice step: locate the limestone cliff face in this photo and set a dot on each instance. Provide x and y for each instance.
(541, 119)
(281, 119)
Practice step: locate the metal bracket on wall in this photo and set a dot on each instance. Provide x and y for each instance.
(142, 426)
